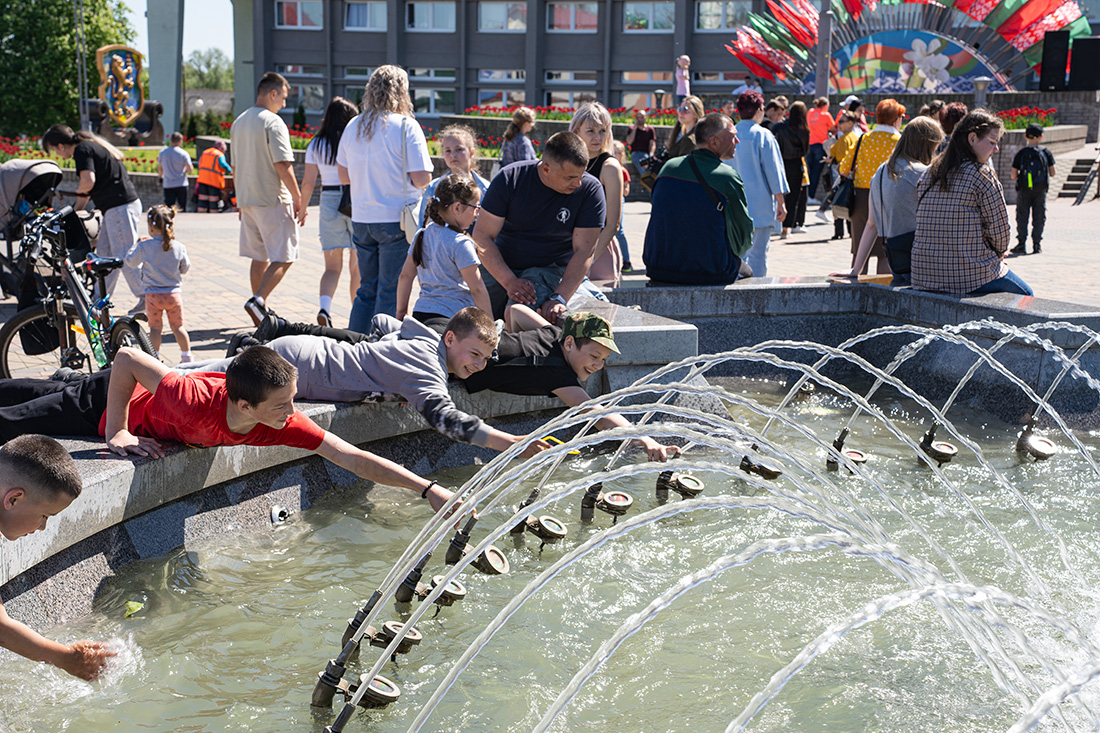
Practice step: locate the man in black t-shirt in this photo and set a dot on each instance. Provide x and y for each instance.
(537, 230)
(547, 360)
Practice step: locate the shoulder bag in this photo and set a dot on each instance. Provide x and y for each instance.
(844, 192)
(410, 210)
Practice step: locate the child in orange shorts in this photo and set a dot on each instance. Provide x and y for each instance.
(163, 261)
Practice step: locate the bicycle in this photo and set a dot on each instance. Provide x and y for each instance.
(41, 339)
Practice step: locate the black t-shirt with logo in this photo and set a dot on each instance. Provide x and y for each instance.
(539, 221)
(112, 185)
(528, 363)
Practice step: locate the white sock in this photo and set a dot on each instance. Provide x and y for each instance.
(259, 300)
(326, 303)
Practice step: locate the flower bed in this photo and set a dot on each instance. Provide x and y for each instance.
(1020, 117)
(135, 160)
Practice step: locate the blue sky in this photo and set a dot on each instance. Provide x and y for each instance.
(207, 23)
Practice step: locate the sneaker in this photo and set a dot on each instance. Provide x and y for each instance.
(783, 234)
(799, 230)
(186, 358)
(65, 374)
(255, 311)
(323, 318)
(813, 202)
(824, 216)
(1038, 250)
(238, 342)
(627, 267)
(1019, 249)
(270, 328)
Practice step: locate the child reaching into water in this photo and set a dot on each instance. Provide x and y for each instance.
(163, 261)
(444, 258)
(459, 150)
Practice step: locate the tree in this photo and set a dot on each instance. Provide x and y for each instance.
(38, 67)
(209, 69)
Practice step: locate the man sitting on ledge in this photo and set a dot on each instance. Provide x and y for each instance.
(699, 226)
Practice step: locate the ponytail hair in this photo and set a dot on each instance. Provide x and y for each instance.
(520, 117)
(450, 189)
(163, 217)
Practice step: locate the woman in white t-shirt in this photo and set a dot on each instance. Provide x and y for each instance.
(384, 157)
(335, 228)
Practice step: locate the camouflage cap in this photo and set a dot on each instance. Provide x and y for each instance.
(589, 326)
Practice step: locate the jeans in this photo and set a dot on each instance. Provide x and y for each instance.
(335, 230)
(546, 280)
(636, 157)
(1010, 283)
(757, 256)
(623, 247)
(817, 165)
(381, 250)
(1033, 202)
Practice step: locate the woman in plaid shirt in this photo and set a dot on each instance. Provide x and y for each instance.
(962, 222)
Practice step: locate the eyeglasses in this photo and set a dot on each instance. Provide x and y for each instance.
(475, 207)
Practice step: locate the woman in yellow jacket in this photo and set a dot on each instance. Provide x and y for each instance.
(874, 149)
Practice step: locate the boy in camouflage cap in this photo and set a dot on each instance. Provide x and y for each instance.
(589, 326)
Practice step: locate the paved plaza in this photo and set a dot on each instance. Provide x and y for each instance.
(217, 286)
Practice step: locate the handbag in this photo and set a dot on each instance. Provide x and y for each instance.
(411, 210)
(344, 207)
(844, 192)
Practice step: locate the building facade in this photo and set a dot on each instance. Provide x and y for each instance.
(467, 53)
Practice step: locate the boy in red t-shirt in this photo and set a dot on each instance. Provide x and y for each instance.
(139, 402)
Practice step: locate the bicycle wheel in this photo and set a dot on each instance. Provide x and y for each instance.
(26, 349)
(128, 332)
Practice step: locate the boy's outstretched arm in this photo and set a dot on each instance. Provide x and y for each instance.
(83, 659)
(130, 368)
(654, 451)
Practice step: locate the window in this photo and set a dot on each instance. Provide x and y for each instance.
(307, 15)
(723, 16)
(310, 96)
(717, 77)
(569, 99)
(502, 17)
(641, 100)
(571, 17)
(433, 101)
(369, 16)
(501, 98)
(358, 72)
(646, 77)
(421, 74)
(354, 94)
(516, 75)
(299, 70)
(430, 17)
(582, 77)
(649, 17)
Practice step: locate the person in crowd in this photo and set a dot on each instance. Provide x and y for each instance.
(861, 162)
(173, 167)
(592, 123)
(759, 163)
(793, 136)
(619, 151)
(754, 85)
(335, 229)
(270, 203)
(139, 402)
(211, 184)
(699, 225)
(444, 258)
(963, 229)
(774, 112)
(102, 178)
(949, 117)
(744, 86)
(1032, 169)
(539, 358)
(163, 262)
(682, 76)
(681, 139)
(847, 135)
(405, 360)
(517, 146)
(39, 480)
(459, 149)
(642, 139)
(537, 230)
(384, 157)
(854, 104)
(933, 109)
(893, 214)
(820, 122)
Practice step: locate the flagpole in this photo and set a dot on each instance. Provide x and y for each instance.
(824, 49)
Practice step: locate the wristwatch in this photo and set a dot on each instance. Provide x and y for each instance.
(557, 298)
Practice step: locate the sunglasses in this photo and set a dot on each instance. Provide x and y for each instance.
(684, 108)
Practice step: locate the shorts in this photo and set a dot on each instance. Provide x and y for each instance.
(335, 228)
(170, 303)
(269, 233)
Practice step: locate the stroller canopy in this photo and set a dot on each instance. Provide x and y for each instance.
(31, 179)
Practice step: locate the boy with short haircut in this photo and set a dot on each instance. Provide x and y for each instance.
(403, 358)
(173, 167)
(1032, 169)
(543, 359)
(139, 402)
(38, 479)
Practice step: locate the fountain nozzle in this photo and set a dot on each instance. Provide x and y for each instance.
(762, 470)
(1037, 447)
(411, 584)
(615, 503)
(938, 450)
(327, 684)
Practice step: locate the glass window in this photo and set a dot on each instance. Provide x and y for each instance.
(295, 14)
(569, 99)
(310, 96)
(421, 74)
(299, 70)
(358, 72)
(427, 17)
(644, 77)
(640, 100)
(717, 77)
(354, 93)
(722, 16)
(649, 17)
(501, 75)
(584, 77)
(365, 16)
(501, 98)
(571, 17)
(502, 17)
(433, 101)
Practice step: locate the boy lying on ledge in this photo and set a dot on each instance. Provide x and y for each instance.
(139, 402)
(38, 479)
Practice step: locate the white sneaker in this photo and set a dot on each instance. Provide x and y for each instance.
(783, 234)
(824, 216)
(813, 202)
(799, 230)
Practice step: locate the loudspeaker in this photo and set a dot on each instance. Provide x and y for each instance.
(1084, 70)
(1055, 54)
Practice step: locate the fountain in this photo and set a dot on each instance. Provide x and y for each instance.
(893, 547)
